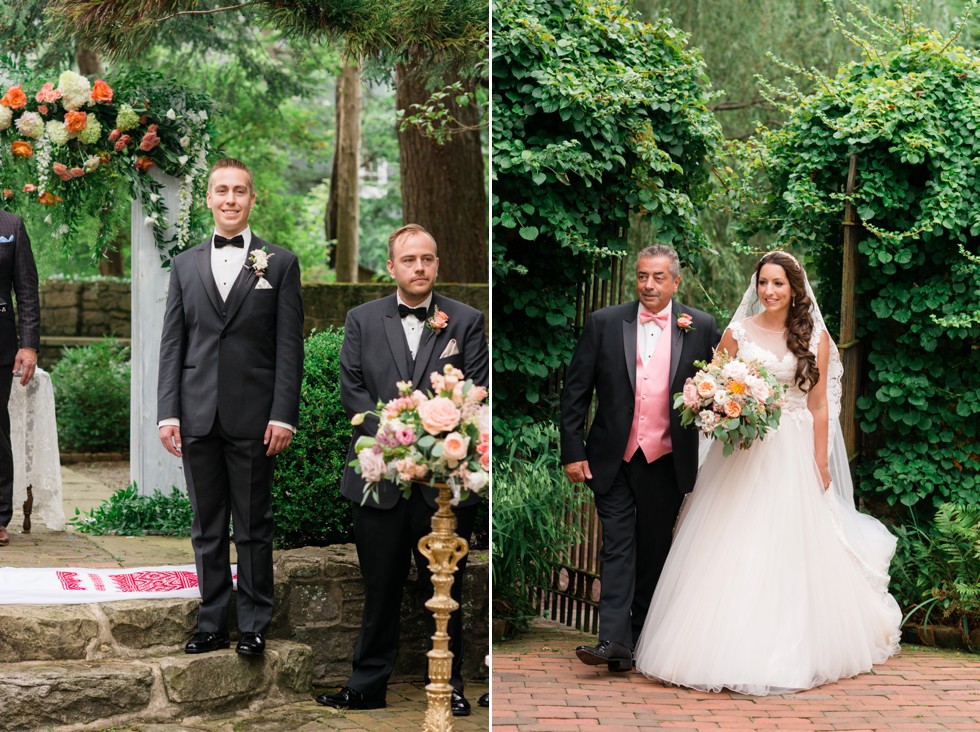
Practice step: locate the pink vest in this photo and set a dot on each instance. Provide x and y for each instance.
(651, 408)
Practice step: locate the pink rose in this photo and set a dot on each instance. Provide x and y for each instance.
(438, 321)
(454, 448)
(372, 464)
(48, 93)
(485, 461)
(477, 393)
(114, 135)
(707, 387)
(691, 398)
(685, 321)
(405, 436)
(732, 408)
(438, 415)
(76, 172)
(121, 143)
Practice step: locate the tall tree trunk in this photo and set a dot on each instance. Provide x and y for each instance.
(347, 164)
(444, 186)
(111, 260)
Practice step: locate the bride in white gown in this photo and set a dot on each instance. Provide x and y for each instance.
(774, 582)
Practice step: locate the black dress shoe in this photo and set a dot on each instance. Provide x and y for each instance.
(202, 642)
(348, 698)
(484, 701)
(459, 705)
(251, 644)
(615, 655)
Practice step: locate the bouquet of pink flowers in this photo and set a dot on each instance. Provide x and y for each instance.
(442, 437)
(732, 400)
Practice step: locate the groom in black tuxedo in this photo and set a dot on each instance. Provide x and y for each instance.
(637, 459)
(18, 273)
(231, 367)
(386, 341)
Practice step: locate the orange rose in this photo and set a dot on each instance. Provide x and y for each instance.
(48, 198)
(733, 409)
(8, 192)
(76, 121)
(21, 149)
(61, 170)
(143, 164)
(101, 92)
(15, 98)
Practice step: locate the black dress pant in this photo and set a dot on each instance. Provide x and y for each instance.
(6, 451)
(386, 540)
(638, 513)
(230, 477)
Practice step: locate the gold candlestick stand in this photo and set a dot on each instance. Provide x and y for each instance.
(443, 549)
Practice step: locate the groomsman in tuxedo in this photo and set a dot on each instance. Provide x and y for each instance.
(17, 357)
(398, 338)
(231, 367)
(637, 459)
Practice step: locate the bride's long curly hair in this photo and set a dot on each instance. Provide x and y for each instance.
(799, 322)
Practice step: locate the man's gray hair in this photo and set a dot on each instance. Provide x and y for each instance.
(661, 250)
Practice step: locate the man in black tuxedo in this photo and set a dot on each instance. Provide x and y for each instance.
(18, 273)
(637, 459)
(387, 341)
(231, 367)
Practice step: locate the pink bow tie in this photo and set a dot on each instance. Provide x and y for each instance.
(659, 318)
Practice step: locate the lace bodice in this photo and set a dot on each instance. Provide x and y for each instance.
(768, 348)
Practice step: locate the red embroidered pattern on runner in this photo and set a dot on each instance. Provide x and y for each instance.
(97, 582)
(166, 581)
(70, 580)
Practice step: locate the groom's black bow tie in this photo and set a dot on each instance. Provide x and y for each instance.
(236, 241)
(404, 311)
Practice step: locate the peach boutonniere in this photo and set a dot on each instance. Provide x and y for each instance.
(438, 321)
(685, 322)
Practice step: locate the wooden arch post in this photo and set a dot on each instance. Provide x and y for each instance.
(848, 343)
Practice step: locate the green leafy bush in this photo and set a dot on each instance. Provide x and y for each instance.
(127, 513)
(91, 396)
(532, 529)
(597, 116)
(908, 113)
(306, 500)
(936, 570)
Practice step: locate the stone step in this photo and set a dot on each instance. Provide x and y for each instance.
(125, 629)
(111, 692)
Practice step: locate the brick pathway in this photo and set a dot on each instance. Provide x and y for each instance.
(538, 684)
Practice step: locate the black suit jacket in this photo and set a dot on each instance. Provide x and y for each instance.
(375, 356)
(18, 273)
(605, 361)
(243, 356)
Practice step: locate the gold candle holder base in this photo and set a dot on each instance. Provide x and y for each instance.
(443, 549)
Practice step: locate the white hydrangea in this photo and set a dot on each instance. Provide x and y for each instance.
(30, 125)
(93, 129)
(76, 91)
(57, 132)
(6, 117)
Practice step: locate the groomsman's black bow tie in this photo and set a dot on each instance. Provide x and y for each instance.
(236, 241)
(405, 311)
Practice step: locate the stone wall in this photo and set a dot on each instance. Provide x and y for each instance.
(73, 313)
(319, 598)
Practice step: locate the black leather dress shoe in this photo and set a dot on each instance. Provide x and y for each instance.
(251, 644)
(202, 642)
(615, 655)
(484, 700)
(348, 698)
(459, 705)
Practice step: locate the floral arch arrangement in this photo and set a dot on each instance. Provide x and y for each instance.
(73, 147)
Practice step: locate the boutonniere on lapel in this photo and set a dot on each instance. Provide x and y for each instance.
(685, 322)
(438, 321)
(258, 262)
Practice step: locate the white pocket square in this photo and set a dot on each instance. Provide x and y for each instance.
(451, 349)
(263, 284)
(6, 239)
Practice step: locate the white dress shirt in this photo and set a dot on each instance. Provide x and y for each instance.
(226, 266)
(648, 334)
(412, 326)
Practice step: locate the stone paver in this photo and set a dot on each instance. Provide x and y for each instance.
(538, 684)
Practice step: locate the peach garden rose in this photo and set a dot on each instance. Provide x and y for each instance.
(438, 415)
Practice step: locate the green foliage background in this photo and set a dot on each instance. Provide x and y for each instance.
(596, 116)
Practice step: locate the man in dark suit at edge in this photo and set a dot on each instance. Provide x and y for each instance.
(402, 337)
(18, 272)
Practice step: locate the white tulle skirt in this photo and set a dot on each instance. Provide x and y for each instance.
(771, 585)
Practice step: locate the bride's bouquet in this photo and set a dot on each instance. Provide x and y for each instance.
(732, 400)
(440, 437)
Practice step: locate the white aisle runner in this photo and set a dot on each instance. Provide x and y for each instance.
(30, 586)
